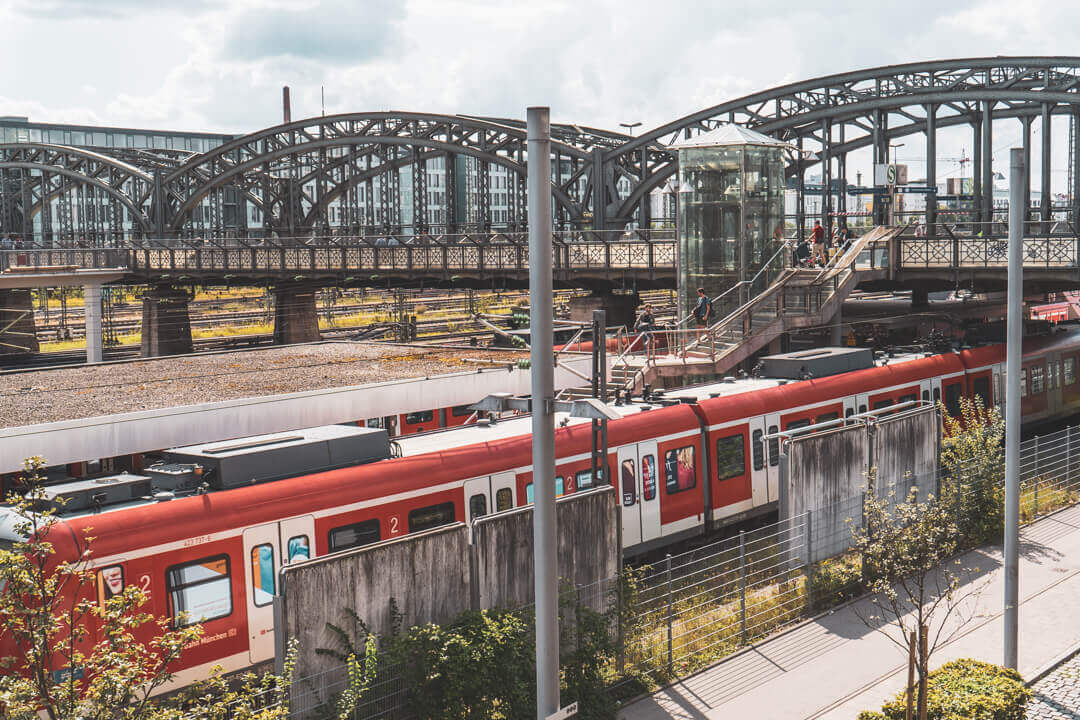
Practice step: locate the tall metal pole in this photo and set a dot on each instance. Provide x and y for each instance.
(541, 308)
(1012, 404)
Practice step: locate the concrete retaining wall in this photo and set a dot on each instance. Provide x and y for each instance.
(432, 577)
(503, 543)
(827, 472)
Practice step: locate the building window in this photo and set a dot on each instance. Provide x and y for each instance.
(1069, 367)
(1038, 379)
(730, 457)
(110, 583)
(432, 516)
(1023, 382)
(262, 574)
(354, 535)
(680, 470)
(199, 591)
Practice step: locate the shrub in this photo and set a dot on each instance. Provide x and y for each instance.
(966, 690)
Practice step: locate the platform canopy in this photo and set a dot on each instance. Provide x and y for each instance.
(730, 134)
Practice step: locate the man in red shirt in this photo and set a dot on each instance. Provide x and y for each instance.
(819, 244)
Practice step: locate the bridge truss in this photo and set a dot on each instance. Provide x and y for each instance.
(392, 172)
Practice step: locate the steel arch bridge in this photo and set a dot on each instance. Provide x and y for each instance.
(367, 173)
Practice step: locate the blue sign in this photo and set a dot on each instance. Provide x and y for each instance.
(64, 674)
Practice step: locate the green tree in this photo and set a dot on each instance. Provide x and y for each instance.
(973, 468)
(919, 595)
(67, 655)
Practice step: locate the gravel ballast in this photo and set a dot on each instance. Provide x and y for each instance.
(42, 396)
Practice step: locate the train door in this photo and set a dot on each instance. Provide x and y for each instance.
(649, 475)
(502, 490)
(261, 560)
(850, 406)
(629, 496)
(926, 390)
(772, 486)
(759, 472)
(862, 402)
(297, 539)
(478, 497)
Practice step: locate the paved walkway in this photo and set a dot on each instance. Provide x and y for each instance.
(833, 667)
(1057, 696)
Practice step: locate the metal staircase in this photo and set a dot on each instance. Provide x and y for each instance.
(791, 299)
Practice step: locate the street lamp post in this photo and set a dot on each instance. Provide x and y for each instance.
(1013, 358)
(630, 127)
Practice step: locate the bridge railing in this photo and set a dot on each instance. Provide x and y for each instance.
(985, 245)
(63, 259)
(496, 252)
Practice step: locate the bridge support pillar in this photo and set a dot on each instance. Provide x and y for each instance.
(92, 320)
(295, 317)
(17, 331)
(166, 327)
(621, 308)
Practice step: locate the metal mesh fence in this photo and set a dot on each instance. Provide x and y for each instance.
(687, 610)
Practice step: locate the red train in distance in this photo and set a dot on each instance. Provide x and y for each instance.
(682, 469)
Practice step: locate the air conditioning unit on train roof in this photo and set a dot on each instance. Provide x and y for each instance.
(817, 363)
(94, 493)
(262, 458)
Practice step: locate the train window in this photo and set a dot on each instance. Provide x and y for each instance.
(774, 447)
(1023, 382)
(419, 417)
(798, 424)
(997, 388)
(908, 398)
(980, 388)
(926, 395)
(882, 404)
(648, 477)
(558, 486)
(110, 583)
(477, 506)
(849, 412)
(730, 457)
(431, 516)
(461, 411)
(629, 483)
(953, 393)
(584, 479)
(827, 417)
(680, 469)
(862, 409)
(504, 499)
(1069, 370)
(937, 395)
(355, 535)
(262, 575)
(299, 548)
(1038, 379)
(199, 591)
(757, 449)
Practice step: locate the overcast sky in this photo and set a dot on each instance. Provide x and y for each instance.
(202, 65)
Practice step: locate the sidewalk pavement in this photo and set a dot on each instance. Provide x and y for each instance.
(1057, 695)
(833, 667)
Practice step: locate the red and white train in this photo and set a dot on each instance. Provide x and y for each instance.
(682, 470)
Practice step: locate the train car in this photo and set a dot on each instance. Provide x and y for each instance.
(208, 540)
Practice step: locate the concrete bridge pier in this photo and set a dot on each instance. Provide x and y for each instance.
(166, 326)
(621, 308)
(295, 316)
(17, 332)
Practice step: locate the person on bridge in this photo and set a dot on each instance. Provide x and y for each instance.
(819, 244)
(702, 312)
(646, 326)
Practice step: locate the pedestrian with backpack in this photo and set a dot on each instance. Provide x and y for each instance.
(702, 312)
